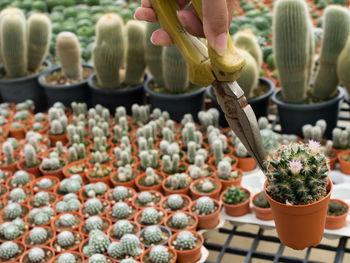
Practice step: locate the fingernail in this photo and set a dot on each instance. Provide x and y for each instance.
(221, 44)
(181, 18)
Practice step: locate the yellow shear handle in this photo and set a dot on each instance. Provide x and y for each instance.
(204, 64)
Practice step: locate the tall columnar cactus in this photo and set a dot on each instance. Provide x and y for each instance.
(13, 44)
(69, 53)
(248, 41)
(291, 48)
(336, 28)
(175, 72)
(249, 78)
(135, 53)
(153, 54)
(39, 35)
(343, 66)
(108, 50)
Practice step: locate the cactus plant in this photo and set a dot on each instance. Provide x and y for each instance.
(18, 195)
(175, 202)
(38, 235)
(121, 210)
(343, 65)
(66, 258)
(8, 250)
(153, 234)
(36, 255)
(94, 222)
(122, 227)
(249, 78)
(69, 53)
(159, 254)
(65, 239)
(234, 195)
(108, 50)
(177, 181)
(67, 220)
(30, 156)
(93, 206)
(13, 210)
(179, 220)
(261, 200)
(131, 245)
(20, 178)
(98, 241)
(8, 151)
(150, 216)
(205, 205)
(97, 258)
(185, 240)
(115, 250)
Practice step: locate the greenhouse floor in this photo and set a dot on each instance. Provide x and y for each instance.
(248, 243)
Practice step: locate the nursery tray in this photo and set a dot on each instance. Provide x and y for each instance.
(254, 181)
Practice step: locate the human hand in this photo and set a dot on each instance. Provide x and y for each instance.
(217, 16)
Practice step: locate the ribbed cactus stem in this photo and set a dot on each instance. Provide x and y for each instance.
(247, 40)
(343, 66)
(336, 28)
(39, 35)
(291, 48)
(13, 45)
(153, 54)
(69, 53)
(249, 78)
(135, 53)
(175, 72)
(108, 50)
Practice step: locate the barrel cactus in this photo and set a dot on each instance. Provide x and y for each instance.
(8, 250)
(159, 254)
(94, 222)
(153, 234)
(179, 220)
(13, 210)
(98, 241)
(205, 205)
(185, 240)
(36, 255)
(38, 235)
(175, 201)
(67, 220)
(149, 216)
(65, 239)
(93, 206)
(115, 250)
(131, 245)
(123, 227)
(121, 210)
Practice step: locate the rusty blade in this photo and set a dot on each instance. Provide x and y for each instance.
(241, 118)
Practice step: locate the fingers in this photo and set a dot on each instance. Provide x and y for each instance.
(230, 9)
(191, 22)
(215, 24)
(161, 38)
(146, 14)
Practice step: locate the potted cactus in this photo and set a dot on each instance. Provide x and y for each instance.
(226, 176)
(72, 256)
(67, 221)
(108, 86)
(120, 193)
(93, 207)
(52, 166)
(30, 162)
(66, 241)
(14, 210)
(297, 103)
(121, 210)
(40, 216)
(177, 184)
(128, 247)
(70, 185)
(8, 162)
(11, 251)
(206, 187)
(207, 210)
(38, 236)
(245, 161)
(159, 254)
(13, 231)
(187, 245)
(154, 235)
(58, 125)
(37, 254)
(175, 202)
(181, 221)
(24, 58)
(150, 216)
(19, 179)
(99, 173)
(297, 184)
(123, 227)
(71, 77)
(149, 181)
(337, 212)
(48, 183)
(147, 199)
(124, 176)
(94, 223)
(17, 130)
(261, 206)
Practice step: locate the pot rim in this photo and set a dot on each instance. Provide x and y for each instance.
(342, 202)
(202, 179)
(200, 236)
(257, 207)
(217, 202)
(236, 205)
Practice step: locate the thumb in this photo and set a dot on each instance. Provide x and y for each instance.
(215, 24)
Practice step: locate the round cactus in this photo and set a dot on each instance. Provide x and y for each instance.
(8, 250)
(128, 260)
(18, 195)
(179, 220)
(97, 258)
(42, 198)
(121, 210)
(145, 197)
(93, 223)
(65, 239)
(159, 254)
(70, 196)
(13, 210)
(20, 224)
(130, 245)
(73, 205)
(38, 235)
(120, 193)
(115, 250)
(66, 258)
(61, 207)
(11, 232)
(98, 241)
(67, 220)
(153, 234)
(149, 216)
(123, 227)
(93, 206)
(36, 255)
(175, 201)
(41, 218)
(186, 240)
(205, 205)
(20, 178)
(100, 188)
(45, 184)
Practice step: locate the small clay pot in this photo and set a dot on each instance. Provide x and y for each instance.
(336, 222)
(109, 196)
(167, 191)
(75, 247)
(164, 242)
(157, 197)
(145, 255)
(66, 169)
(192, 227)
(261, 213)
(139, 215)
(238, 209)
(34, 170)
(130, 184)
(33, 185)
(227, 183)
(50, 236)
(207, 221)
(140, 187)
(55, 224)
(246, 164)
(215, 194)
(186, 199)
(55, 138)
(344, 165)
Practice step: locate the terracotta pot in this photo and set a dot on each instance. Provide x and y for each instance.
(332, 162)
(344, 166)
(72, 248)
(110, 231)
(55, 138)
(261, 213)
(336, 222)
(300, 226)
(50, 234)
(171, 250)
(239, 209)
(134, 199)
(141, 188)
(226, 184)
(139, 214)
(186, 199)
(188, 256)
(66, 168)
(130, 184)
(191, 228)
(214, 195)
(105, 179)
(57, 173)
(12, 167)
(167, 191)
(207, 221)
(43, 131)
(78, 256)
(55, 223)
(10, 186)
(246, 164)
(18, 134)
(34, 170)
(48, 252)
(33, 185)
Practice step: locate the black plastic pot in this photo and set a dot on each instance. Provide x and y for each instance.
(112, 98)
(20, 89)
(293, 116)
(66, 94)
(179, 104)
(259, 105)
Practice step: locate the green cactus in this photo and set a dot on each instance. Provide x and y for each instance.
(65, 239)
(291, 48)
(179, 220)
(108, 50)
(98, 241)
(30, 156)
(248, 41)
(94, 222)
(38, 235)
(121, 210)
(36, 255)
(14, 44)
(175, 202)
(128, 260)
(8, 151)
(8, 250)
(336, 28)
(343, 65)
(67, 220)
(205, 205)
(11, 232)
(123, 227)
(66, 258)
(135, 57)
(20, 178)
(299, 174)
(97, 258)
(41, 198)
(131, 245)
(153, 54)
(93, 206)
(41, 219)
(39, 36)
(13, 210)
(149, 216)
(153, 234)
(145, 197)
(185, 240)
(249, 78)
(120, 193)
(175, 72)
(115, 250)
(159, 254)
(18, 195)
(234, 195)
(261, 200)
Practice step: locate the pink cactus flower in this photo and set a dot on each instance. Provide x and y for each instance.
(295, 166)
(314, 146)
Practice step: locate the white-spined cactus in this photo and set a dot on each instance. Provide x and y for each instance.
(205, 205)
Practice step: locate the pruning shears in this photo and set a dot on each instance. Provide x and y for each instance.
(207, 68)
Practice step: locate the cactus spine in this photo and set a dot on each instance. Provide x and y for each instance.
(249, 78)
(291, 48)
(108, 50)
(153, 54)
(39, 35)
(336, 30)
(343, 66)
(135, 53)
(175, 73)
(69, 52)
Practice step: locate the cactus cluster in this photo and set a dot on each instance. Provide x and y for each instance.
(140, 113)
(159, 254)
(299, 174)
(209, 117)
(121, 210)
(58, 121)
(341, 138)
(121, 193)
(177, 181)
(179, 220)
(67, 220)
(41, 216)
(125, 174)
(150, 216)
(149, 159)
(234, 195)
(190, 134)
(153, 234)
(123, 227)
(51, 164)
(70, 185)
(20, 178)
(41, 199)
(314, 132)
